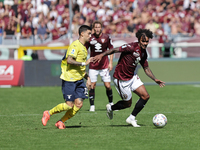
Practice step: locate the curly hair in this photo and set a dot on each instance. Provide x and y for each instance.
(144, 32)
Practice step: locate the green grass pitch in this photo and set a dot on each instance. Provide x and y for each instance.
(21, 128)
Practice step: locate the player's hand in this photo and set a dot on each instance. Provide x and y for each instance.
(160, 83)
(88, 84)
(110, 66)
(97, 58)
(89, 60)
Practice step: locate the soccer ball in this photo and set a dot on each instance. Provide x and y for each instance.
(159, 120)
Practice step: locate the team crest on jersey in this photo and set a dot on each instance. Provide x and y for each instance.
(102, 40)
(69, 96)
(136, 54)
(125, 96)
(73, 51)
(92, 42)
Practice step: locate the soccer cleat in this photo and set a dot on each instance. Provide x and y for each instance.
(132, 122)
(92, 108)
(109, 111)
(60, 125)
(45, 117)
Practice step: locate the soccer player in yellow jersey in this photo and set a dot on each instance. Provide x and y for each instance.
(74, 90)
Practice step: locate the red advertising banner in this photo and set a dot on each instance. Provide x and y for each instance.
(12, 72)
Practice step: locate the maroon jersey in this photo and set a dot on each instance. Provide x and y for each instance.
(98, 46)
(131, 55)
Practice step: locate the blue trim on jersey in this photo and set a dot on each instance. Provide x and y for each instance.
(74, 90)
(64, 56)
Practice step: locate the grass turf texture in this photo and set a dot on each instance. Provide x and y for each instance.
(21, 128)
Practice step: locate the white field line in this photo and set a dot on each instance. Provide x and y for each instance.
(90, 113)
(196, 85)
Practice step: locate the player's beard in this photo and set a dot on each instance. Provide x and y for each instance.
(143, 47)
(98, 35)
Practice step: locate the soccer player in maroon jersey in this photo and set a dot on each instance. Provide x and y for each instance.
(99, 43)
(126, 80)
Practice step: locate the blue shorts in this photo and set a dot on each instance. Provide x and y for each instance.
(74, 90)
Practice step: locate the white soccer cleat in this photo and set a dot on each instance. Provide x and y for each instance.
(109, 111)
(113, 104)
(92, 108)
(132, 122)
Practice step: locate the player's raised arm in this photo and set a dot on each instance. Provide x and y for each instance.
(98, 58)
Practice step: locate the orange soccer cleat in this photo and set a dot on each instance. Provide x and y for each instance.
(45, 117)
(60, 125)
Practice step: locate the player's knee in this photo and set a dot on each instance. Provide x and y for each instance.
(93, 85)
(79, 102)
(108, 88)
(79, 105)
(107, 85)
(146, 97)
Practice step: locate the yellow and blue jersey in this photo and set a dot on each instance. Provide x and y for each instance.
(72, 72)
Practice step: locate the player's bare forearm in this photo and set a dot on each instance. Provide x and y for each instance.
(149, 73)
(72, 61)
(111, 58)
(111, 51)
(88, 82)
(110, 65)
(98, 58)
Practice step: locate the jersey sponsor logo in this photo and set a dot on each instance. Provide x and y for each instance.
(6, 72)
(102, 40)
(98, 47)
(73, 51)
(92, 42)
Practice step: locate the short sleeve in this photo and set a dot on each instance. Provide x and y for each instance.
(72, 51)
(126, 48)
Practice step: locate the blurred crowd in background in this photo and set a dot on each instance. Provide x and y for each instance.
(42, 18)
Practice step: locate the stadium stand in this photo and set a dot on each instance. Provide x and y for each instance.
(177, 20)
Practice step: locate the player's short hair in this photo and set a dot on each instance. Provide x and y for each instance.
(97, 22)
(144, 32)
(83, 28)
